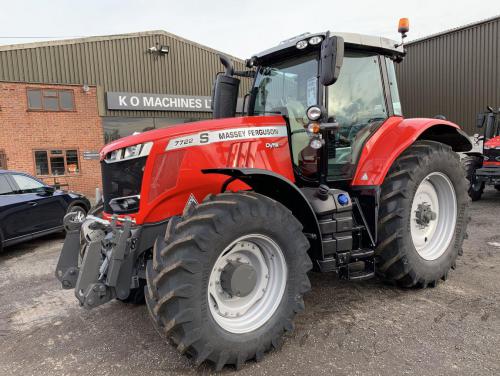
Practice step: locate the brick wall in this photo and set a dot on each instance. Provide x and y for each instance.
(23, 131)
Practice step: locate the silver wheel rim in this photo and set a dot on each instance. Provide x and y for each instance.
(79, 215)
(433, 216)
(246, 314)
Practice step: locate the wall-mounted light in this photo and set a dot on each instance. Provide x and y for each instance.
(85, 88)
(158, 50)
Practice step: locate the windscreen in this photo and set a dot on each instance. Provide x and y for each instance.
(288, 88)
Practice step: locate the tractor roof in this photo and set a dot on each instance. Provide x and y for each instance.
(363, 41)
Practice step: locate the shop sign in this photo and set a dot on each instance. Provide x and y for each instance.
(88, 155)
(117, 100)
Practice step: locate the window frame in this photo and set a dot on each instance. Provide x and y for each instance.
(386, 96)
(63, 155)
(42, 108)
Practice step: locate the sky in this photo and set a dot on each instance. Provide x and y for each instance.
(239, 28)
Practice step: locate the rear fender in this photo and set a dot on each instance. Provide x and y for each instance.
(394, 136)
(284, 191)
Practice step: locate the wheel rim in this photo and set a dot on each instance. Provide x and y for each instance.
(243, 314)
(433, 216)
(79, 215)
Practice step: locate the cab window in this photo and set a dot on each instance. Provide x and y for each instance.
(393, 86)
(357, 102)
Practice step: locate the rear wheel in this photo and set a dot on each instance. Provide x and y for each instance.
(228, 279)
(471, 164)
(423, 216)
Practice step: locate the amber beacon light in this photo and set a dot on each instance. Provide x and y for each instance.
(404, 25)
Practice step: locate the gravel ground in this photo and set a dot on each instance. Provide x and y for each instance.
(347, 328)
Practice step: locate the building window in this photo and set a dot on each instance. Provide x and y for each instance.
(50, 100)
(56, 162)
(3, 160)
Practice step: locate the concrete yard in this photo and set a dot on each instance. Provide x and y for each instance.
(347, 329)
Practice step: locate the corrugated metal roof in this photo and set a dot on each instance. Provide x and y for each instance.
(453, 30)
(119, 63)
(100, 38)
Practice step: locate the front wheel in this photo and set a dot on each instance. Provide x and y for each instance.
(228, 279)
(476, 188)
(423, 215)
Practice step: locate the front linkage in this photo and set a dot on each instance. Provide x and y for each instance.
(98, 259)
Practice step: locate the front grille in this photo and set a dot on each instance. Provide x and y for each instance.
(493, 155)
(121, 179)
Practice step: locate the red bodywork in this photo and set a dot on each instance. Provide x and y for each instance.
(492, 143)
(171, 176)
(394, 136)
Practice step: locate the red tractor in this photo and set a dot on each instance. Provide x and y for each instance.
(484, 168)
(219, 222)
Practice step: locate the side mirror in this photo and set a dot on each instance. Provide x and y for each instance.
(480, 120)
(489, 132)
(225, 91)
(46, 190)
(332, 55)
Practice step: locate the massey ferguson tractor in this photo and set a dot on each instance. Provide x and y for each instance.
(218, 222)
(484, 168)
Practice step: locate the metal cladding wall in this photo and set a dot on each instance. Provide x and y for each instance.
(455, 74)
(119, 63)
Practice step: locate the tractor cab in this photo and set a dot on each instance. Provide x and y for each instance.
(484, 168)
(334, 90)
(489, 123)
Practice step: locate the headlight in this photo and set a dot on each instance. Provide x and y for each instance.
(130, 152)
(301, 44)
(316, 143)
(313, 113)
(315, 40)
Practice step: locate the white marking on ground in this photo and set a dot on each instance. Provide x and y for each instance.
(494, 244)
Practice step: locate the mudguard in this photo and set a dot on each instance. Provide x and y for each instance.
(284, 191)
(394, 136)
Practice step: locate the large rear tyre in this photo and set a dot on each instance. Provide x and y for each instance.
(228, 279)
(471, 164)
(423, 216)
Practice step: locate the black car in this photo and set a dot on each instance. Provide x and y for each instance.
(29, 208)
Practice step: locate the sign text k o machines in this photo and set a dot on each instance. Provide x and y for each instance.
(156, 102)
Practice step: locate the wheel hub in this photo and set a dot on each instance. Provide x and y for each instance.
(238, 278)
(247, 283)
(424, 215)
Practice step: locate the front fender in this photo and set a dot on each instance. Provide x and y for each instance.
(281, 189)
(394, 136)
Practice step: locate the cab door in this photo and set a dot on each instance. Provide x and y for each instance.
(358, 101)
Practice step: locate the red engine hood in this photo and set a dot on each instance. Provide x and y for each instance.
(188, 128)
(493, 142)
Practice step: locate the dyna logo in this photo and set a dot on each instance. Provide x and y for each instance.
(272, 145)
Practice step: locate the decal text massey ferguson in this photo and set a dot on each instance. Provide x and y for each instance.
(210, 137)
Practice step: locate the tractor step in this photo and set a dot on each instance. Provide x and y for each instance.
(356, 265)
(361, 275)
